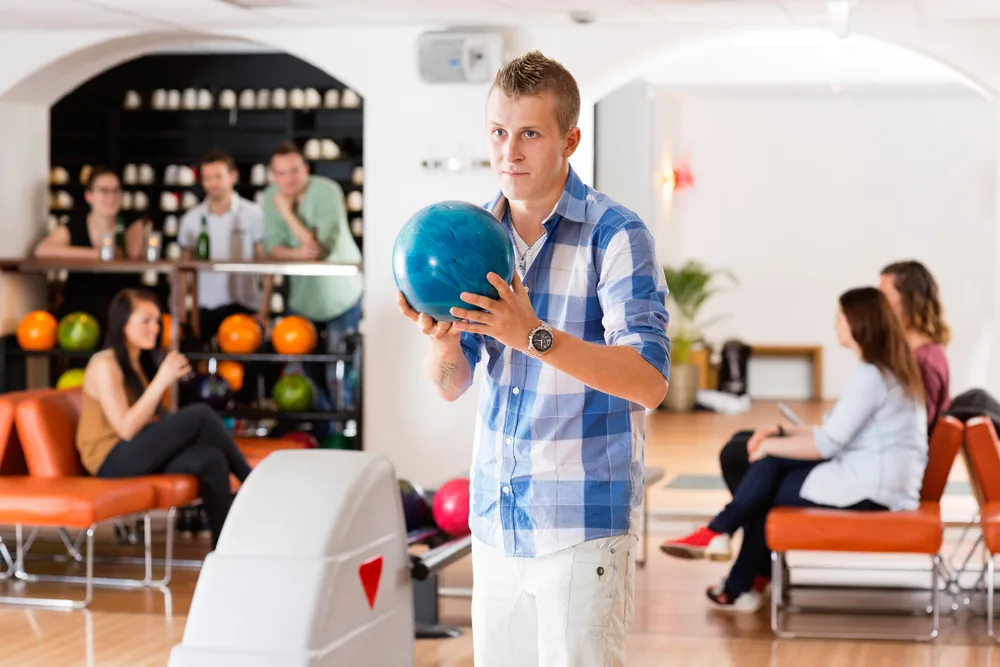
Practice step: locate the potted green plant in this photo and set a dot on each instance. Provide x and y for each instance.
(690, 286)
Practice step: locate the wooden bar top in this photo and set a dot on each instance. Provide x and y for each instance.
(32, 265)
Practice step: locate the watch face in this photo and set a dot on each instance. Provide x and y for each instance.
(541, 340)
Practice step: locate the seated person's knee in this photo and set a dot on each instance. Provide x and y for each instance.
(200, 410)
(734, 453)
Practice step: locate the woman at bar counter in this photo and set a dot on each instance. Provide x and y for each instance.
(80, 239)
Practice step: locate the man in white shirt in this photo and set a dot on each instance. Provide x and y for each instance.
(236, 232)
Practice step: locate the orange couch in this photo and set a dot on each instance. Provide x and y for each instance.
(918, 532)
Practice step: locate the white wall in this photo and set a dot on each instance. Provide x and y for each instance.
(24, 131)
(806, 193)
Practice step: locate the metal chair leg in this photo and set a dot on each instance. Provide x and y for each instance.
(990, 588)
(49, 602)
(778, 594)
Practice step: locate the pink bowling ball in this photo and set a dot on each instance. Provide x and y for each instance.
(451, 507)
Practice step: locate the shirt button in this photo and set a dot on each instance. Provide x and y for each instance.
(516, 391)
(509, 441)
(506, 489)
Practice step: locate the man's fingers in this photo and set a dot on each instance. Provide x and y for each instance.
(404, 307)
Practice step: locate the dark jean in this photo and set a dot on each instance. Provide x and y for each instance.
(767, 483)
(734, 460)
(191, 441)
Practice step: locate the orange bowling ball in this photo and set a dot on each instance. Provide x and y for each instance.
(232, 373)
(239, 334)
(36, 332)
(294, 335)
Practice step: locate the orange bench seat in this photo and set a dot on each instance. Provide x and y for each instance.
(815, 529)
(917, 532)
(77, 502)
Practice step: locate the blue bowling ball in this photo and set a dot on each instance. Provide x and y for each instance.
(446, 249)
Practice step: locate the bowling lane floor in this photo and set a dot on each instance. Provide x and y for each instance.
(673, 626)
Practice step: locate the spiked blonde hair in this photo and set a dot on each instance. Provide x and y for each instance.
(534, 74)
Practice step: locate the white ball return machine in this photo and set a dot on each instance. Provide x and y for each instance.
(312, 569)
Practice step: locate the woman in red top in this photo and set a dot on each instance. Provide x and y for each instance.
(913, 294)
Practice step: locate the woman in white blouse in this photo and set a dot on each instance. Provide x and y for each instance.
(869, 454)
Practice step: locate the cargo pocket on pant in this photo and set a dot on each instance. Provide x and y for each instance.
(630, 590)
(592, 588)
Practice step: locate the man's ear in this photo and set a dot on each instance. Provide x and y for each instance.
(572, 142)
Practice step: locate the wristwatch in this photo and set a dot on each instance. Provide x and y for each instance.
(539, 340)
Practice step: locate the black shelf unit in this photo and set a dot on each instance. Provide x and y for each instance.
(93, 125)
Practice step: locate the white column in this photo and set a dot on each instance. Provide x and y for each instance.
(990, 345)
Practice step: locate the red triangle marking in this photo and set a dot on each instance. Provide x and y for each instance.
(371, 573)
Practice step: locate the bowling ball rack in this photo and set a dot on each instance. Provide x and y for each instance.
(424, 570)
(253, 415)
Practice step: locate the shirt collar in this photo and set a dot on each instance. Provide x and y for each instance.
(572, 205)
(234, 205)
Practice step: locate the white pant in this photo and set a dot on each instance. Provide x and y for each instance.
(567, 609)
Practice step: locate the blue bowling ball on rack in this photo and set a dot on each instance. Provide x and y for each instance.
(446, 249)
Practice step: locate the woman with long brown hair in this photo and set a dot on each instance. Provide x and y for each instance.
(869, 454)
(123, 431)
(913, 294)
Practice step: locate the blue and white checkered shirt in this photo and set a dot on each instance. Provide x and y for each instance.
(555, 462)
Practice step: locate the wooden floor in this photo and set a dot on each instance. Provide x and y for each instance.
(673, 626)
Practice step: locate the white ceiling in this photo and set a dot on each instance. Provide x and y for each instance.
(82, 14)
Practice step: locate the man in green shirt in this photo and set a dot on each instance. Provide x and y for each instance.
(305, 219)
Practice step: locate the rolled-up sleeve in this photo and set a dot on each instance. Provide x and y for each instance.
(633, 294)
(863, 393)
(472, 345)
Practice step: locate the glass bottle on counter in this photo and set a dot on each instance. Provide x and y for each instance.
(204, 248)
(120, 235)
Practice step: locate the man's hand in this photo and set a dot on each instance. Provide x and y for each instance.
(283, 205)
(443, 332)
(509, 320)
(309, 250)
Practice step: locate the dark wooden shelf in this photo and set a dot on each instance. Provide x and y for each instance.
(262, 413)
(270, 357)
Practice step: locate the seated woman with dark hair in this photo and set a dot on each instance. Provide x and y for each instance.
(122, 431)
(869, 454)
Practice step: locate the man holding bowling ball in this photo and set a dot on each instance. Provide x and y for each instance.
(575, 349)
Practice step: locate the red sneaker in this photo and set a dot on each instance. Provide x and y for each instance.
(702, 543)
